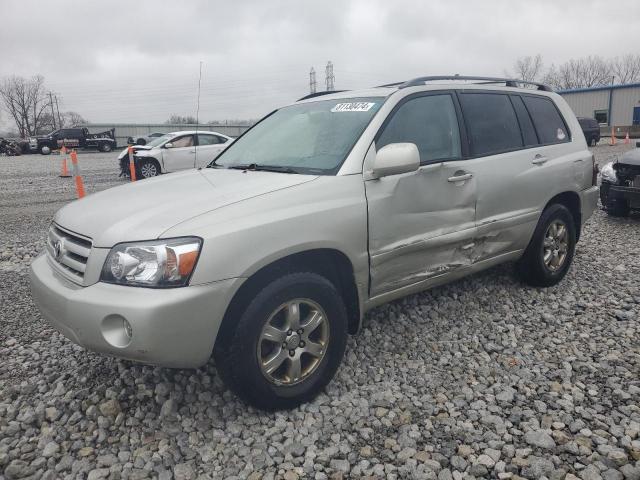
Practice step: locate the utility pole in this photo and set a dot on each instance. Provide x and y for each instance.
(53, 114)
(329, 77)
(58, 109)
(313, 85)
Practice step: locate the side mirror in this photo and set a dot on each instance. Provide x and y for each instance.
(396, 158)
(168, 145)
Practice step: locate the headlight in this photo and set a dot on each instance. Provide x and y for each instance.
(608, 173)
(158, 264)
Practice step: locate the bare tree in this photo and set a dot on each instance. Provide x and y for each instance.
(181, 120)
(25, 100)
(626, 68)
(584, 72)
(73, 119)
(528, 68)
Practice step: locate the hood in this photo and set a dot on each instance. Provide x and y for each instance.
(136, 148)
(145, 209)
(632, 157)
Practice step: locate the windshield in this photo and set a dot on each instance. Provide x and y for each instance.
(313, 137)
(159, 140)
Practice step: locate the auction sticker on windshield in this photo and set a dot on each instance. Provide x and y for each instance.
(353, 107)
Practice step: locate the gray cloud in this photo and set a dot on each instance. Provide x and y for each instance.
(138, 61)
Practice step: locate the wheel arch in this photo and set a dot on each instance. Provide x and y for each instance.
(153, 159)
(330, 263)
(571, 200)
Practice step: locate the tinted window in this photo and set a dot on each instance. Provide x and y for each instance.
(186, 141)
(491, 123)
(430, 122)
(204, 139)
(526, 126)
(547, 120)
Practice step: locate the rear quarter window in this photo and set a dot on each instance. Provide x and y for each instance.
(549, 124)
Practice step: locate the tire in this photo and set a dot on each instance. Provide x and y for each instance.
(148, 168)
(141, 141)
(105, 147)
(45, 150)
(593, 141)
(242, 352)
(532, 267)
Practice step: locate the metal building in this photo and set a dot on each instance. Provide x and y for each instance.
(126, 130)
(613, 105)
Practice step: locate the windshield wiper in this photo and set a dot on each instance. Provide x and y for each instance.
(264, 168)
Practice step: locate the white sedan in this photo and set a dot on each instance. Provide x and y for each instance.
(175, 151)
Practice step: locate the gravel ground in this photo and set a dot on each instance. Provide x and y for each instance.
(480, 378)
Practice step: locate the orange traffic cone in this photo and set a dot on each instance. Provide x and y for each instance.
(132, 165)
(64, 172)
(613, 137)
(76, 174)
(626, 139)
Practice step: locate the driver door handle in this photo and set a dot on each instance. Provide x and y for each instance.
(460, 178)
(539, 159)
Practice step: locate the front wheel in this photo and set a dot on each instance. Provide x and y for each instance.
(286, 345)
(105, 147)
(148, 169)
(549, 254)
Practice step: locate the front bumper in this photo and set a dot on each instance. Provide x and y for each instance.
(170, 327)
(629, 194)
(589, 202)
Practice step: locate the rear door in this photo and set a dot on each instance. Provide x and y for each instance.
(421, 223)
(181, 155)
(514, 172)
(209, 147)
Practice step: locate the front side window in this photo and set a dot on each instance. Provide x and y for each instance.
(186, 141)
(430, 122)
(313, 137)
(547, 120)
(491, 122)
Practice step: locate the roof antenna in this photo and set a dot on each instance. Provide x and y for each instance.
(195, 161)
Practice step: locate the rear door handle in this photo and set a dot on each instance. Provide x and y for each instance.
(540, 159)
(460, 178)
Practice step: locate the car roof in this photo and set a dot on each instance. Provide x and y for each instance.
(449, 82)
(187, 132)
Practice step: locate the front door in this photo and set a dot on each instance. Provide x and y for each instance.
(181, 155)
(421, 224)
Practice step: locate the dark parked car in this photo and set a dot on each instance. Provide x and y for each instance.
(591, 130)
(620, 186)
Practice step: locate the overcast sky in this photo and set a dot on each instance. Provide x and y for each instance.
(137, 61)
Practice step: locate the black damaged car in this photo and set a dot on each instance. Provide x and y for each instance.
(620, 187)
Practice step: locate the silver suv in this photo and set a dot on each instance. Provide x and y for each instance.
(268, 258)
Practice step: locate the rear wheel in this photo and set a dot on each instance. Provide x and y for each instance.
(105, 147)
(148, 169)
(550, 252)
(44, 150)
(286, 345)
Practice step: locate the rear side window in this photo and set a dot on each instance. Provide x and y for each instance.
(526, 126)
(430, 122)
(491, 121)
(547, 120)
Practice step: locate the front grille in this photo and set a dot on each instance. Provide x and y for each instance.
(69, 250)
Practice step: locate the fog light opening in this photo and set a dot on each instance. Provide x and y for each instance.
(116, 330)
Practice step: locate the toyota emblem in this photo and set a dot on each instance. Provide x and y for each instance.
(57, 249)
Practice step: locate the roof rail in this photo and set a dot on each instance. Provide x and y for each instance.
(509, 82)
(319, 94)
